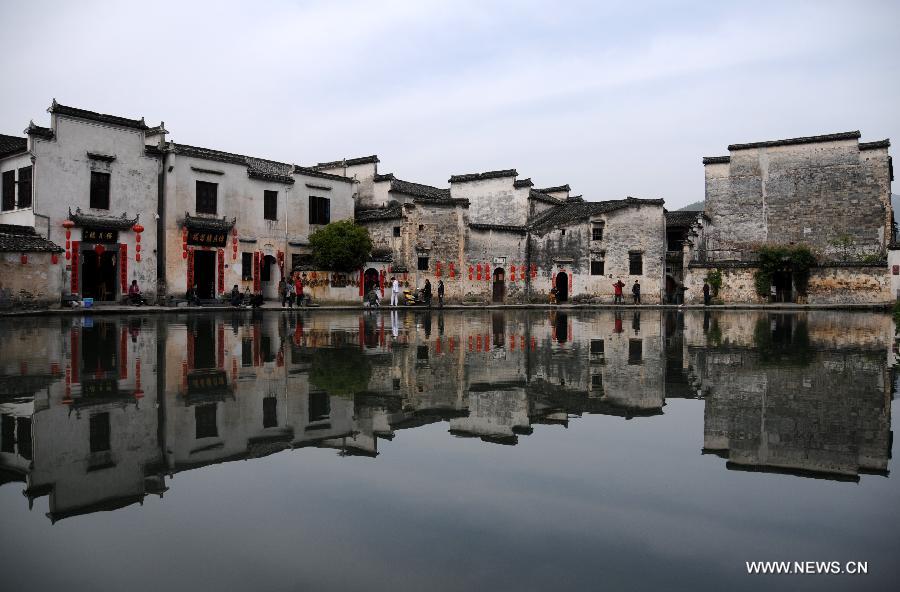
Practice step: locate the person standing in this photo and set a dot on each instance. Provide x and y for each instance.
(441, 293)
(705, 294)
(395, 290)
(298, 290)
(235, 298)
(636, 292)
(426, 293)
(282, 291)
(617, 291)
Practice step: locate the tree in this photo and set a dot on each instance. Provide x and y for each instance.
(340, 246)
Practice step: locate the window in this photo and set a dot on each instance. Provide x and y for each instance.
(597, 346)
(270, 205)
(597, 267)
(9, 190)
(635, 351)
(319, 406)
(270, 412)
(423, 264)
(319, 210)
(597, 232)
(205, 421)
(396, 384)
(99, 432)
(422, 352)
(206, 197)
(99, 190)
(597, 382)
(8, 432)
(246, 266)
(635, 263)
(25, 187)
(396, 231)
(296, 259)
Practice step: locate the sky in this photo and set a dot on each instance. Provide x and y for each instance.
(614, 99)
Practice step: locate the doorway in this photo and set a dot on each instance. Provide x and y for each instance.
(370, 281)
(562, 287)
(205, 274)
(269, 277)
(783, 282)
(499, 285)
(98, 275)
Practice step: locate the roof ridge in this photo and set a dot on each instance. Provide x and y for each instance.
(497, 174)
(854, 135)
(80, 113)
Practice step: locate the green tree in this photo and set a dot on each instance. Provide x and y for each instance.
(340, 246)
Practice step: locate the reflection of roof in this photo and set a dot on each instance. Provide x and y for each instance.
(571, 212)
(94, 116)
(122, 222)
(24, 239)
(12, 144)
(18, 386)
(795, 471)
(106, 505)
(483, 176)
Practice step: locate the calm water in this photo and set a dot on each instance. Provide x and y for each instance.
(457, 451)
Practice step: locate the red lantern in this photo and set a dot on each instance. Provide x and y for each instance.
(137, 239)
(68, 234)
(54, 258)
(68, 255)
(137, 248)
(24, 259)
(99, 249)
(138, 228)
(67, 224)
(184, 254)
(137, 256)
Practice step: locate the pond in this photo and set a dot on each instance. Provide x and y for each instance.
(458, 450)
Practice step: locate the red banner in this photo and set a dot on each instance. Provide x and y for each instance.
(362, 282)
(221, 271)
(76, 257)
(123, 267)
(256, 265)
(190, 269)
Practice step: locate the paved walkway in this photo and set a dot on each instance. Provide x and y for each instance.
(274, 306)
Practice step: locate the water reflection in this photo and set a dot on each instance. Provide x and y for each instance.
(99, 413)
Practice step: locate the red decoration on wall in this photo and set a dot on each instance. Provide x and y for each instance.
(478, 267)
(362, 282)
(487, 272)
(452, 271)
(189, 255)
(74, 274)
(437, 269)
(381, 276)
(512, 273)
(221, 257)
(23, 258)
(123, 267)
(470, 273)
(257, 264)
(533, 270)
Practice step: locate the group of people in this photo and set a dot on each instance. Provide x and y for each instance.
(425, 295)
(635, 292)
(292, 292)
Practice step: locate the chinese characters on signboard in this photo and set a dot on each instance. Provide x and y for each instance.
(99, 235)
(207, 238)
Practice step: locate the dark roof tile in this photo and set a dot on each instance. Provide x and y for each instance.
(521, 183)
(873, 145)
(24, 239)
(556, 189)
(500, 227)
(541, 196)
(12, 144)
(200, 223)
(122, 222)
(41, 132)
(94, 116)
(482, 176)
(716, 159)
(570, 212)
(804, 140)
(378, 214)
(682, 217)
(418, 189)
(373, 159)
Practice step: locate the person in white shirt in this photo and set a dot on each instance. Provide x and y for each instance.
(395, 290)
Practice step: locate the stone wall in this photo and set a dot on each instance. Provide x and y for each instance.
(39, 281)
(816, 193)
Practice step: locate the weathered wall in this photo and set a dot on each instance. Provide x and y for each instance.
(492, 250)
(815, 194)
(493, 201)
(38, 281)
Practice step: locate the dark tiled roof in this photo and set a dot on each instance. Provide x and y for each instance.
(41, 132)
(570, 212)
(258, 168)
(716, 159)
(418, 189)
(521, 183)
(123, 222)
(872, 145)
(556, 189)
(24, 239)
(482, 176)
(682, 217)
(499, 227)
(373, 159)
(575, 198)
(200, 223)
(384, 177)
(300, 170)
(159, 129)
(94, 116)
(541, 196)
(153, 150)
(374, 215)
(12, 144)
(805, 140)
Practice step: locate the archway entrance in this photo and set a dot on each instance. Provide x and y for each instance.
(99, 271)
(269, 277)
(370, 280)
(499, 285)
(205, 274)
(784, 286)
(562, 287)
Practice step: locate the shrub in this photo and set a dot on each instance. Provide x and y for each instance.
(340, 246)
(796, 259)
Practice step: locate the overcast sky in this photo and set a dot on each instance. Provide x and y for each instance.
(614, 99)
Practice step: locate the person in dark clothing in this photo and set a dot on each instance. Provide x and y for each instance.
(705, 294)
(426, 293)
(236, 297)
(441, 293)
(636, 292)
(257, 300)
(192, 296)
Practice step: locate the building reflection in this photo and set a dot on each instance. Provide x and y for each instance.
(99, 413)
